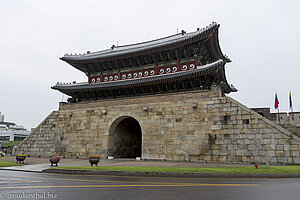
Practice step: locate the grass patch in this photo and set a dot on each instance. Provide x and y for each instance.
(8, 164)
(260, 170)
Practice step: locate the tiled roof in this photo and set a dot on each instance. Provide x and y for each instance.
(208, 68)
(144, 46)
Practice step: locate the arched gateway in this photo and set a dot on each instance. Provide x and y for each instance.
(125, 138)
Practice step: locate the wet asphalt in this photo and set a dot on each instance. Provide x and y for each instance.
(14, 184)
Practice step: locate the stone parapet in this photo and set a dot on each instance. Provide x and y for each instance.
(194, 126)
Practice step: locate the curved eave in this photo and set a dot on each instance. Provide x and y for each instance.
(225, 86)
(202, 70)
(110, 55)
(215, 47)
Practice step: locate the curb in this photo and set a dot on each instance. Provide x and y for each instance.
(170, 174)
(22, 170)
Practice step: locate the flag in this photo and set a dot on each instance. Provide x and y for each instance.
(290, 100)
(276, 101)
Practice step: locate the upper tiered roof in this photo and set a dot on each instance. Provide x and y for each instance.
(80, 61)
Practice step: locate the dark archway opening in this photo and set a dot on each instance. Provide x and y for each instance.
(125, 138)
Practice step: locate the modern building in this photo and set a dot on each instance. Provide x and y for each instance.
(10, 131)
(161, 99)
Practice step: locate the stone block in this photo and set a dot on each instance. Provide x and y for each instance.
(240, 152)
(277, 136)
(266, 141)
(257, 159)
(294, 142)
(287, 153)
(282, 159)
(214, 158)
(272, 146)
(295, 153)
(247, 141)
(270, 153)
(272, 159)
(296, 160)
(279, 153)
(286, 147)
(279, 147)
(222, 158)
(265, 147)
(216, 127)
(294, 147)
(223, 153)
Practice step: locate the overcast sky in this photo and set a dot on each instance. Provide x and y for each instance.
(262, 38)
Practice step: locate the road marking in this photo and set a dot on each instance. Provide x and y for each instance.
(170, 185)
(20, 180)
(188, 178)
(134, 182)
(85, 180)
(17, 182)
(138, 177)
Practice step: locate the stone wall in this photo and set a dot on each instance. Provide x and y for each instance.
(289, 121)
(44, 140)
(195, 126)
(290, 126)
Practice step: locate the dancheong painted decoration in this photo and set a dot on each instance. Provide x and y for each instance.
(181, 62)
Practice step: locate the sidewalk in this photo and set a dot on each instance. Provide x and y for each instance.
(32, 164)
(43, 165)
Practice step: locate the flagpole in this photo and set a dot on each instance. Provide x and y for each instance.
(292, 113)
(276, 105)
(291, 105)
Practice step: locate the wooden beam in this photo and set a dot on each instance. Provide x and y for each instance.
(176, 54)
(103, 68)
(167, 86)
(98, 67)
(161, 57)
(168, 55)
(130, 62)
(195, 51)
(158, 87)
(119, 92)
(134, 91)
(191, 82)
(151, 89)
(93, 68)
(116, 65)
(113, 93)
(126, 91)
(88, 69)
(143, 91)
(184, 53)
(154, 58)
(104, 93)
(123, 64)
(109, 65)
(182, 85)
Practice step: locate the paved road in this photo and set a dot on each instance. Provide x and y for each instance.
(73, 187)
